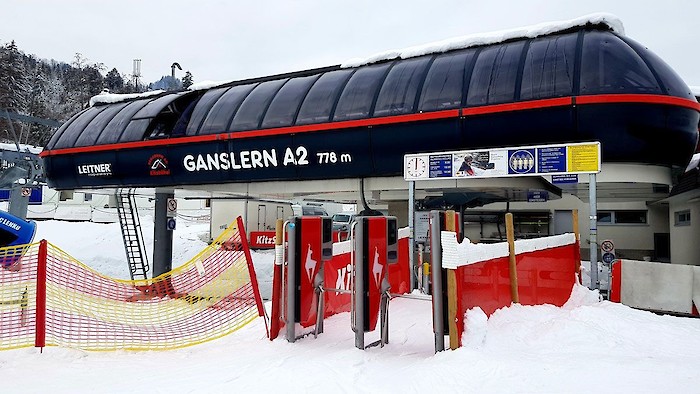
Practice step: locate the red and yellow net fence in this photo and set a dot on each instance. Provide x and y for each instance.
(47, 298)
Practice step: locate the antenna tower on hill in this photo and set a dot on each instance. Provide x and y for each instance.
(136, 74)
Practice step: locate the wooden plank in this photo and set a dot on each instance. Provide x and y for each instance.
(512, 266)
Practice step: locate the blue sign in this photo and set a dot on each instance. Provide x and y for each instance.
(521, 161)
(608, 258)
(568, 178)
(34, 198)
(537, 196)
(171, 224)
(551, 159)
(561, 159)
(440, 166)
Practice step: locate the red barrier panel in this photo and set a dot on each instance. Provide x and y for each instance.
(544, 277)
(616, 282)
(337, 275)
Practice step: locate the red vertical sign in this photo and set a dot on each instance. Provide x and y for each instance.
(376, 267)
(309, 253)
(40, 335)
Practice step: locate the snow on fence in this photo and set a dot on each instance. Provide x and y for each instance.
(546, 270)
(47, 298)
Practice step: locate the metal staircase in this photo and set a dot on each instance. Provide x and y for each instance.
(131, 232)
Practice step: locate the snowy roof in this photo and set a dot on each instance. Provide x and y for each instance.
(472, 40)
(109, 98)
(695, 90)
(204, 85)
(22, 147)
(694, 161)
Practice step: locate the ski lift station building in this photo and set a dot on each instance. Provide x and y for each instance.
(321, 133)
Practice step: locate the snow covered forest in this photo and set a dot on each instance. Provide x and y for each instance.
(57, 90)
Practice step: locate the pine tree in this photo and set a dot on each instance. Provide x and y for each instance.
(187, 80)
(14, 89)
(114, 81)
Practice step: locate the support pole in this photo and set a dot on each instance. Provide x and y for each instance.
(510, 234)
(411, 232)
(425, 270)
(359, 287)
(577, 236)
(162, 237)
(450, 225)
(291, 283)
(18, 202)
(436, 276)
(277, 280)
(595, 284)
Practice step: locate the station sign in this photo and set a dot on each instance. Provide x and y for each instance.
(537, 160)
(262, 239)
(607, 247)
(537, 196)
(172, 208)
(563, 179)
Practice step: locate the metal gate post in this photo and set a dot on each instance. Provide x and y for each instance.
(162, 237)
(291, 282)
(358, 272)
(436, 276)
(595, 283)
(411, 233)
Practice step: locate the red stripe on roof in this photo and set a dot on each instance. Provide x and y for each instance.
(519, 106)
(425, 116)
(638, 98)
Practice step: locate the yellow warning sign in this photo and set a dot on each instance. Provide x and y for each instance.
(583, 158)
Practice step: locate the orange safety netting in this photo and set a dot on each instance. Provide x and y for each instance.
(212, 295)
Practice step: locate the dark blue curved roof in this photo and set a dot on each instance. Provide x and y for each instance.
(584, 62)
(580, 64)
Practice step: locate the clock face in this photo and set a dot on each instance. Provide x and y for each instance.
(416, 167)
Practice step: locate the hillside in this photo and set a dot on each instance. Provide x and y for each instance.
(56, 90)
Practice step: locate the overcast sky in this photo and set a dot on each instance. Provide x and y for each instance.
(224, 40)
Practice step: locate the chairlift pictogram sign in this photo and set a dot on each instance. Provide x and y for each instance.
(537, 160)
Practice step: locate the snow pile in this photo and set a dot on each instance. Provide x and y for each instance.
(472, 40)
(695, 90)
(585, 346)
(111, 259)
(109, 98)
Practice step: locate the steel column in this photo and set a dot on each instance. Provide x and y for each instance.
(162, 237)
(436, 276)
(595, 284)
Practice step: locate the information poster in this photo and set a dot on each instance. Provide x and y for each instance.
(561, 159)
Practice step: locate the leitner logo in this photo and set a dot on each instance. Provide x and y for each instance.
(102, 169)
(158, 165)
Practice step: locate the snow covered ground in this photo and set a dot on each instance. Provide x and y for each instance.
(585, 346)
